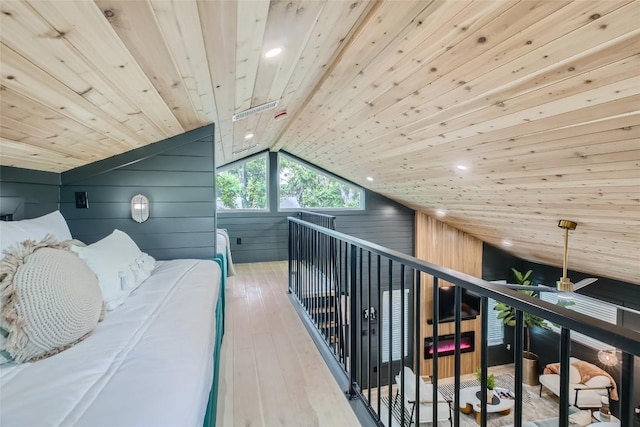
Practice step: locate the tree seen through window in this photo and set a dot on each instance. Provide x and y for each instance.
(243, 186)
(304, 187)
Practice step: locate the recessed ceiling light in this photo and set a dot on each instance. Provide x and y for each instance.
(462, 167)
(248, 136)
(506, 243)
(273, 52)
(441, 213)
(370, 179)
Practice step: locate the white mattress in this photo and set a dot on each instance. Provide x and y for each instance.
(149, 363)
(222, 241)
(223, 246)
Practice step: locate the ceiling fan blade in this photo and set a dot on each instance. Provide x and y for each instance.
(584, 282)
(535, 288)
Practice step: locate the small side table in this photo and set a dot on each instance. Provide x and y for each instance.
(598, 416)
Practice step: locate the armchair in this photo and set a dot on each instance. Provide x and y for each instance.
(425, 400)
(587, 383)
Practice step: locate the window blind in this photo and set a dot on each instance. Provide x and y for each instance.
(395, 324)
(590, 307)
(495, 334)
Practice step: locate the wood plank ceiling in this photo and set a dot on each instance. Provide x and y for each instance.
(538, 99)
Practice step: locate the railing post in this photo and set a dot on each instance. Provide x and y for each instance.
(419, 343)
(626, 390)
(484, 360)
(402, 381)
(456, 355)
(390, 338)
(353, 330)
(434, 343)
(290, 250)
(565, 351)
(519, 349)
(380, 326)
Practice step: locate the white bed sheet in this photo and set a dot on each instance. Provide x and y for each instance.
(223, 246)
(149, 363)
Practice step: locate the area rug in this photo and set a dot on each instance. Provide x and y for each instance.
(534, 407)
(397, 417)
(502, 381)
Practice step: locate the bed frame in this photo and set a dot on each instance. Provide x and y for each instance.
(212, 406)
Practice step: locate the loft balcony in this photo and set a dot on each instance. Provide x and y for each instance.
(387, 321)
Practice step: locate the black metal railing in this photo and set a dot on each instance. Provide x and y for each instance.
(320, 269)
(373, 296)
(323, 220)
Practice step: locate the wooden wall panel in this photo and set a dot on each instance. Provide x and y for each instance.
(441, 244)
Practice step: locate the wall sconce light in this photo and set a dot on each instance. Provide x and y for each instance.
(608, 357)
(139, 208)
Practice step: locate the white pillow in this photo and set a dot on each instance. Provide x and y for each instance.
(581, 418)
(598, 381)
(574, 375)
(119, 264)
(13, 232)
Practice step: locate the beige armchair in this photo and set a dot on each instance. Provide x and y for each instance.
(425, 401)
(587, 383)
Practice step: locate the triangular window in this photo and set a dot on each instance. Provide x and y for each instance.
(301, 186)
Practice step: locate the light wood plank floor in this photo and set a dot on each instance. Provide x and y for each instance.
(271, 371)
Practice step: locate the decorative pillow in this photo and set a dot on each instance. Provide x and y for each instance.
(15, 232)
(409, 384)
(49, 300)
(574, 375)
(581, 418)
(119, 264)
(598, 381)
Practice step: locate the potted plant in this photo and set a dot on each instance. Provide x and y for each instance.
(508, 316)
(491, 384)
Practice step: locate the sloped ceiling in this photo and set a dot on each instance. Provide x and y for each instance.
(539, 100)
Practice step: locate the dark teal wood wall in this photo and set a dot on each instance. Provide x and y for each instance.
(39, 190)
(177, 175)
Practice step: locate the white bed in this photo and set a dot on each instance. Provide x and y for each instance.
(223, 252)
(149, 363)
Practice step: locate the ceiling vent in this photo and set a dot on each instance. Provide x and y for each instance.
(255, 110)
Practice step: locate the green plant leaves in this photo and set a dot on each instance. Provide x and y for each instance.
(491, 379)
(508, 314)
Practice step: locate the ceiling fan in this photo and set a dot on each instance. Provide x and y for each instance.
(563, 285)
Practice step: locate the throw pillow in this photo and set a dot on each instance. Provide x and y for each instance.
(119, 265)
(15, 232)
(581, 418)
(49, 300)
(598, 381)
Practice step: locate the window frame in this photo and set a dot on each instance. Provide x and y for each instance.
(231, 165)
(321, 172)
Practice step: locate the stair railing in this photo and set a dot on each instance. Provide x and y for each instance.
(378, 289)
